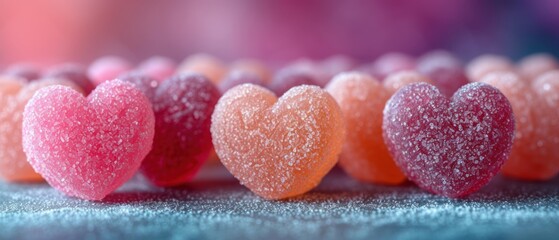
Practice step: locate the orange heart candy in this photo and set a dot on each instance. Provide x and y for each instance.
(14, 95)
(278, 148)
(362, 99)
(534, 154)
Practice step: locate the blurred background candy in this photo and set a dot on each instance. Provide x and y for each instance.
(107, 68)
(52, 31)
(158, 67)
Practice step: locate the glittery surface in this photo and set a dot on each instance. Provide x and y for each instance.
(215, 206)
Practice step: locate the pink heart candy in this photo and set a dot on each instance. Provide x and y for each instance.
(88, 147)
(451, 147)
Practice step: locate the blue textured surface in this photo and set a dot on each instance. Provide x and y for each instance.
(215, 206)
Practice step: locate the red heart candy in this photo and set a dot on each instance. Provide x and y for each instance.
(183, 106)
(449, 147)
(88, 147)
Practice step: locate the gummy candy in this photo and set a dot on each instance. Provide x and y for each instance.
(107, 68)
(25, 71)
(207, 65)
(88, 147)
(362, 99)
(252, 67)
(485, 64)
(73, 73)
(336, 64)
(304, 66)
(278, 148)
(144, 83)
(535, 65)
(13, 97)
(394, 81)
(451, 147)
(183, 105)
(238, 77)
(158, 68)
(534, 155)
(390, 63)
(289, 78)
(444, 70)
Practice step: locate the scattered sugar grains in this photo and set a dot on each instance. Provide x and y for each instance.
(88, 147)
(362, 99)
(141, 81)
(183, 106)
(13, 97)
(278, 148)
(449, 147)
(72, 72)
(534, 155)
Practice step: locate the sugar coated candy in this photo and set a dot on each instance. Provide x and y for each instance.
(141, 81)
(278, 148)
(107, 68)
(72, 72)
(451, 147)
(535, 155)
(362, 99)
(88, 147)
(183, 106)
(364, 155)
(13, 97)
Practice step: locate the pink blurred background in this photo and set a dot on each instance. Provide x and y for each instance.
(45, 32)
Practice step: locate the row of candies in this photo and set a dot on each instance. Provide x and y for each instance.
(384, 121)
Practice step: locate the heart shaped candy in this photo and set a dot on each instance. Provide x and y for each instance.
(449, 147)
(183, 106)
(88, 147)
(14, 94)
(362, 99)
(534, 155)
(278, 148)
